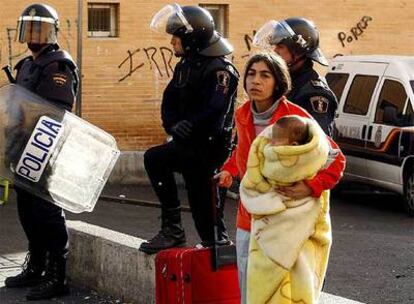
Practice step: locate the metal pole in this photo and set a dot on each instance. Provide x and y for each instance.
(78, 107)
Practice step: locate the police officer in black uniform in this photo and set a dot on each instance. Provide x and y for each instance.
(197, 111)
(296, 40)
(52, 74)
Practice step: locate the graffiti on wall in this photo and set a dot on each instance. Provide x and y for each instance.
(354, 32)
(158, 59)
(248, 40)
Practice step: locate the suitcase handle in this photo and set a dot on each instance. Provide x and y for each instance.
(226, 254)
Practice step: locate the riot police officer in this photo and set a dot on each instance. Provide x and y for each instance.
(51, 73)
(197, 111)
(296, 40)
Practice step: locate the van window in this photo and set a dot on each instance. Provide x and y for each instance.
(360, 93)
(337, 82)
(391, 104)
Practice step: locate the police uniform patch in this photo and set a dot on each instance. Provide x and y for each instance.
(319, 104)
(223, 79)
(59, 79)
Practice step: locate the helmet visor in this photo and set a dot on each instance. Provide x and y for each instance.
(169, 19)
(272, 33)
(38, 30)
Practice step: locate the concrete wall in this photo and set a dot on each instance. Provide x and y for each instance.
(110, 263)
(124, 77)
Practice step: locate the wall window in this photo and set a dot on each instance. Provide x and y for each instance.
(103, 19)
(360, 94)
(220, 13)
(337, 82)
(391, 103)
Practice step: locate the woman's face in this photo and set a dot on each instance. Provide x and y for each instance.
(260, 83)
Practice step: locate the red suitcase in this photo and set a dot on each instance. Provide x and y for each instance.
(187, 275)
(191, 275)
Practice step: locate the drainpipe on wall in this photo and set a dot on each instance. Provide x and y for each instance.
(78, 105)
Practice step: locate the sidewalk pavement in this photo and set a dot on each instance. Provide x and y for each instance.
(13, 242)
(10, 265)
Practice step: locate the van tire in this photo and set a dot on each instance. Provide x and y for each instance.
(408, 199)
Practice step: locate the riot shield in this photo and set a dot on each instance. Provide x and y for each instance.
(52, 153)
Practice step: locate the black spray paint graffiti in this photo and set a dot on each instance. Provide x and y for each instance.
(152, 55)
(356, 31)
(248, 40)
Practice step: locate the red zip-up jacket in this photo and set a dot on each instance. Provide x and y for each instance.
(325, 179)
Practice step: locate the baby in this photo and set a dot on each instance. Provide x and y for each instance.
(290, 131)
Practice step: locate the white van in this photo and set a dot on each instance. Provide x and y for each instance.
(374, 125)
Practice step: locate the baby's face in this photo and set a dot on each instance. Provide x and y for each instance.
(280, 136)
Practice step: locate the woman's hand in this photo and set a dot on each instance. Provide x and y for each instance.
(224, 179)
(297, 191)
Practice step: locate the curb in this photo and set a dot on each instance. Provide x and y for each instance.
(110, 263)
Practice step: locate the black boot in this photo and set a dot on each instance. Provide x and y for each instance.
(33, 268)
(54, 283)
(171, 233)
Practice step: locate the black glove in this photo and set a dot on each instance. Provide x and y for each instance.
(182, 129)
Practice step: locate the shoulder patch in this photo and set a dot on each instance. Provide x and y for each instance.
(223, 78)
(319, 104)
(59, 79)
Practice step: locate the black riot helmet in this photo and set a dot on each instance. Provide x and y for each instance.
(299, 34)
(38, 24)
(194, 25)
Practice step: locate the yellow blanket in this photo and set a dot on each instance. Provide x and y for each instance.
(290, 239)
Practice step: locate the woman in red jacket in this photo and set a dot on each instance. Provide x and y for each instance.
(267, 81)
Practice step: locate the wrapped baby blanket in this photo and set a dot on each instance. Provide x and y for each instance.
(290, 239)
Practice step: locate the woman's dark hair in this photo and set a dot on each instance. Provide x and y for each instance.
(278, 68)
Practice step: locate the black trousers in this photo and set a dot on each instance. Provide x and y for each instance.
(44, 225)
(197, 164)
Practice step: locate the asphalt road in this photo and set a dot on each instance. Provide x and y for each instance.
(372, 258)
